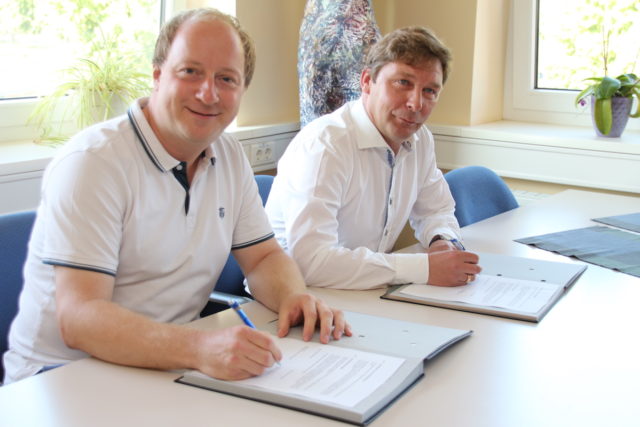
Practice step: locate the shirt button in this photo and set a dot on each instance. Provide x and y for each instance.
(386, 232)
(390, 201)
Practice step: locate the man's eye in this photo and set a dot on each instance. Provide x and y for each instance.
(229, 80)
(432, 93)
(189, 71)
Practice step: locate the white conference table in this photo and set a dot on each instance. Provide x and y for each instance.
(580, 366)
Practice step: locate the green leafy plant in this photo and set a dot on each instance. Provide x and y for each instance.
(94, 89)
(604, 89)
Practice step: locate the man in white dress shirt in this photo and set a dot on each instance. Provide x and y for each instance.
(350, 180)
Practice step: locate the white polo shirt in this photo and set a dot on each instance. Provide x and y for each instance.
(111, 204)
(341, 198)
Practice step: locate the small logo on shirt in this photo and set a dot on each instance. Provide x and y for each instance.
(221, 212)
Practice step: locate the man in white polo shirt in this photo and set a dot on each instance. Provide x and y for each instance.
(137, 218)
(350, 180)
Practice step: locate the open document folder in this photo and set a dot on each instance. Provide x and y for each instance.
(353, 379)
(520, 288)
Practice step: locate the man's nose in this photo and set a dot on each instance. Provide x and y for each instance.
(414, 102)
(208, 92)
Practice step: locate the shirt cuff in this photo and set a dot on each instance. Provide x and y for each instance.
(411, 268)
(444, 232)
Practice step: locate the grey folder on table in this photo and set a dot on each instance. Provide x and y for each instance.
(391, 336)
(628, 222)
(604, 246)
(413, 342)
(559, 273)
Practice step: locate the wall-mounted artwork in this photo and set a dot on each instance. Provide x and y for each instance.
(334, 37)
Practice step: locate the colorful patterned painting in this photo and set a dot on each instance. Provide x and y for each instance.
(334, 36)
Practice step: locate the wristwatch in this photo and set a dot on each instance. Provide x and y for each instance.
(439, 237)
(455, 242)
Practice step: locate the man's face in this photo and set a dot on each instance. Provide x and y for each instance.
(402, 98)
(197, 90)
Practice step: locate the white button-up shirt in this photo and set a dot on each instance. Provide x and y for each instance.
(341, 198)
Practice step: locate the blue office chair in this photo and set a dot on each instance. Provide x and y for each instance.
(15, 230)
(230, 284)
(479, 193)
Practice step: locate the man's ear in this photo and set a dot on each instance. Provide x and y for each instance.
(156, 77)
(365, 81)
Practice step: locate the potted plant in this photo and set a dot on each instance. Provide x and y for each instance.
(95, 88)
(611, 102)
(611, 98)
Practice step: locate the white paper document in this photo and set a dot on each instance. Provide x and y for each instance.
(338, 375)
(496, 291)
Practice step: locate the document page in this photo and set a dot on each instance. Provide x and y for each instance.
(323, 372)
(495, 291)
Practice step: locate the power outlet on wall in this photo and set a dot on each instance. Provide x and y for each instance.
(262, 152)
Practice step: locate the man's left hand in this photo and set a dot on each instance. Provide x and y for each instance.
(304, 307)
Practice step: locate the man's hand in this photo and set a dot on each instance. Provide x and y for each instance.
(452, 267)
(91, 322)
(236, 353)
(303, 307)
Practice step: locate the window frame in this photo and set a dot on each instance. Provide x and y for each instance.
(522, 102)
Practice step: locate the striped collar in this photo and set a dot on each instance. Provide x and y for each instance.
(150, 142)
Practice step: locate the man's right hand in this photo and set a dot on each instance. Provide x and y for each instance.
(91, 322)
(236, 353)
(452, 267)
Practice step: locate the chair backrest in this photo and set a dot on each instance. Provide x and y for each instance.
(231, 280)
(479, 193)
(15, 230)
(264, 186)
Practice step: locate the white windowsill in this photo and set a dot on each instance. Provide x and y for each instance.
(25, 156)
(574, 137)
(567, 155)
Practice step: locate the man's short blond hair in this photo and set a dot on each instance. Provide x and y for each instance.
(169, 30)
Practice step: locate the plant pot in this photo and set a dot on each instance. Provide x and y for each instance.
(100, 112)
(620, 110)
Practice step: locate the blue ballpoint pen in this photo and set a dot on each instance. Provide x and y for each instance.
(245, 319)
(243, 316)
(457, 244)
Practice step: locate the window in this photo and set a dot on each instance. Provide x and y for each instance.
(40, 38)
(577, 39)
(554, 46)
